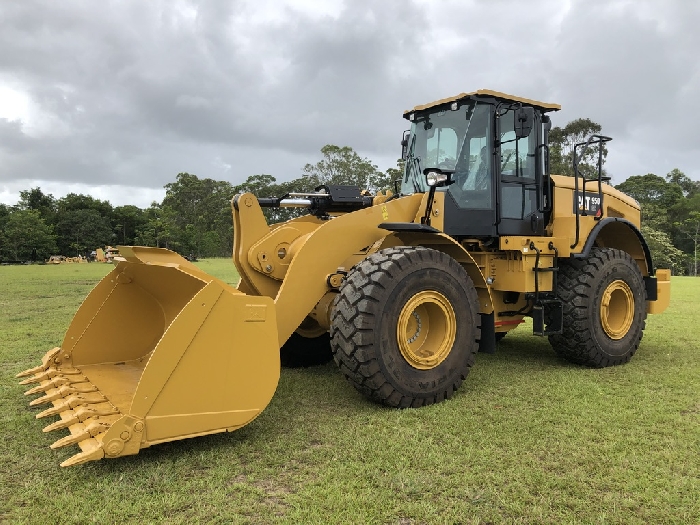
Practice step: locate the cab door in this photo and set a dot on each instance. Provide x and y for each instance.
(518, 171)
(470, 202)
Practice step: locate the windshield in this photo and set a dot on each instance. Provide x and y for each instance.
(439, 140)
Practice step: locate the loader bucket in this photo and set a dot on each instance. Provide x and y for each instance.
(158, 351)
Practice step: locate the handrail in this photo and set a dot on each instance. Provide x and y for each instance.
(600, 140)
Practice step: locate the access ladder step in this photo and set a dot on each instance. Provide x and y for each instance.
(548, 317)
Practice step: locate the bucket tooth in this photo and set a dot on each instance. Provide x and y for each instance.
(81, 431)
(38, 378)
(80, 412)
(101, 414)
(56, 409)
(43, 387)
(56, 382)
(72, 379)
(44, 363)
(91, 451)
(63, 392)
(49, 373)
(31, 371)
(45, 399)
(87, 398)
(71, 439)
(72, 401)
(63, 423)
(97, 410)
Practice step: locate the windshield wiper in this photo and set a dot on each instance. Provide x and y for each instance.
(410, 157)
(415, 172)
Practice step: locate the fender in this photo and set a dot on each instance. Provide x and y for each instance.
(446, 244)
(605, 222)
(616, 232)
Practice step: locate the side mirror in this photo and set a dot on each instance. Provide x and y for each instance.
(547, 122)
(524, 120)
(404, 145)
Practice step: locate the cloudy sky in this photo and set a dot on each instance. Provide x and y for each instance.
(115, 97)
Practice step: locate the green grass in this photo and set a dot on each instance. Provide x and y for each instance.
(527, 439)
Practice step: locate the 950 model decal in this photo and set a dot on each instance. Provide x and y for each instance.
(588, 203)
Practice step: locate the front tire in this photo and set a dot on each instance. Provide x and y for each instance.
(405, 326)
(604, 307)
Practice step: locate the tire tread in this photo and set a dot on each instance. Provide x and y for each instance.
(354, 317)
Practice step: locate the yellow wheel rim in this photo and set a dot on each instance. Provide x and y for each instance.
(617, 309)
(426, 330)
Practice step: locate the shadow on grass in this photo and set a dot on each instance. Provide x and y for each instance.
(522, 349)
(309, 398)
(312, 393)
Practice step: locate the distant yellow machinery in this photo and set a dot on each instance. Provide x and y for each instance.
(58, 259)
(401, 289)
(107, 255)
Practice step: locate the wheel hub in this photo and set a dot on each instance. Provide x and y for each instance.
(426, 330)
(617, 309)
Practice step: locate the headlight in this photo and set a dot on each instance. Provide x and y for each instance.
(434, 178)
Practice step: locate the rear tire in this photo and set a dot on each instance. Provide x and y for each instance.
(405, 326)
(604, 306)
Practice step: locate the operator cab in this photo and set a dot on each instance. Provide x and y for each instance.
(493, 149)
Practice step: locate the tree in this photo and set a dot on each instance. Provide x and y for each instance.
(670, 213)
(259, 185)
(663, 253)
(654, 195)
(26, 236)
(82, 230)
(687, 227)
(688, 186)
(267, 186)
(156, 229)
(78, 201)
(4, 214)
(126, 221)
(651, 188)
(561, 148)
(343, 166)
(82, 224)
(391, 175)
(197, 206)
(35, 199)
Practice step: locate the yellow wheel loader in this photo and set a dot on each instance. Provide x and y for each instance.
(401, 289)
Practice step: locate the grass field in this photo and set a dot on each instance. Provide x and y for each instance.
(527, 439)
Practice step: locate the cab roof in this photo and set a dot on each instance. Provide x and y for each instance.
(544, 106)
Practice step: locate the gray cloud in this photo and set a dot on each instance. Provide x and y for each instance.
(128, 94)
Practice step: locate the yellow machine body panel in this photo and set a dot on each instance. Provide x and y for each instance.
(614, 233)
(563, 224)
(313, 250)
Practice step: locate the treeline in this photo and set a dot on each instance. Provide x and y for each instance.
(670, 218)
(193, 218)
(195, 215)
